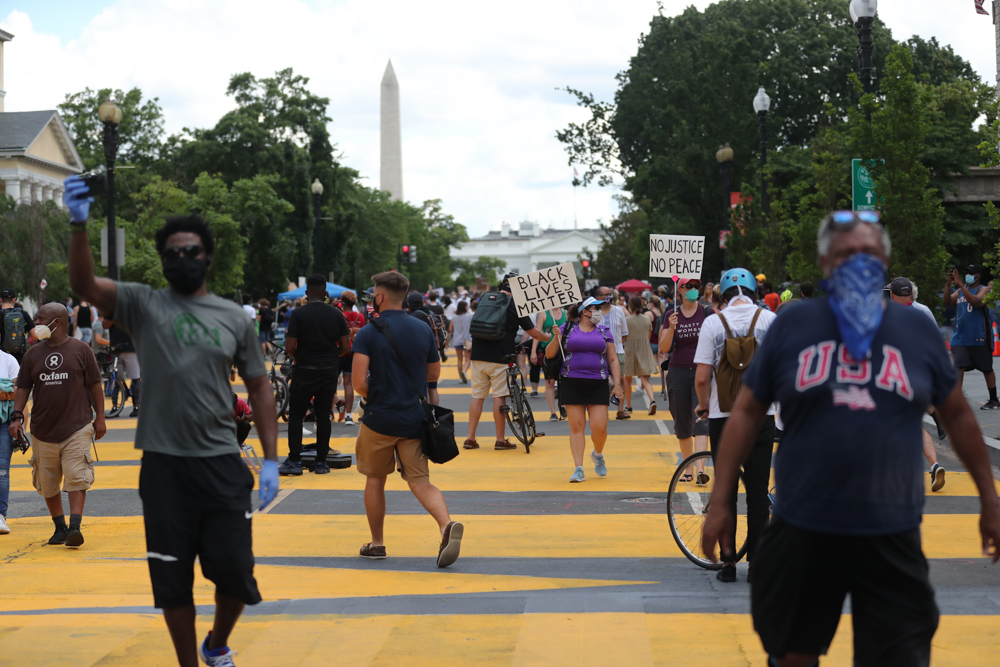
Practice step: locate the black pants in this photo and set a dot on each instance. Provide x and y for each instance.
(320, 386)
(756, 475)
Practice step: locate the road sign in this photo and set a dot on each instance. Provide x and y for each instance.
(863, 196)
(44, 283)
(119, 246)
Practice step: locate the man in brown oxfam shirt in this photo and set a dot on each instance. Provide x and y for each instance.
(66, 381)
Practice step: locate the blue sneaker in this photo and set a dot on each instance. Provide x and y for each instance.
(599, 466)
(220, 657)
(577, 475)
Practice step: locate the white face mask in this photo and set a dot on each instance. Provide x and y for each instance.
(43, 331)
(596, 318)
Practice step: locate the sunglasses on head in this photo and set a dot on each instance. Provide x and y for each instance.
(187, 250)
(854, 217)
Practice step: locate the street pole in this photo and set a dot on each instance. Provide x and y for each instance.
(865, 55)
(764, 204)
(725, 158)
(318, 258)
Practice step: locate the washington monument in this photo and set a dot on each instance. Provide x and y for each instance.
(392, 150)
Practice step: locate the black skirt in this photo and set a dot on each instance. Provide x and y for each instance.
(580, 391)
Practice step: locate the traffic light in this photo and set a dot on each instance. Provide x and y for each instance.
(586, 268)
(413, 254)
(404, 253)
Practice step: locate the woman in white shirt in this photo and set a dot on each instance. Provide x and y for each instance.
(461, 340)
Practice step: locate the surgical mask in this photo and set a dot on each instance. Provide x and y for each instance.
(44, 331)
(855, 289)
(691, 295)
(596, 318)
(970, 280)
(185, 274)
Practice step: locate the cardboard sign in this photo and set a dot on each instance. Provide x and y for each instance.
(482, 285)
(672, 255)
(538, 291)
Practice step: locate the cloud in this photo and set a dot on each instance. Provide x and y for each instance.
(477, 81)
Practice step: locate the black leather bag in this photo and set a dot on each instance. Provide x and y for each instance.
(438, 437)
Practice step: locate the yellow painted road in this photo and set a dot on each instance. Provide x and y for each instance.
(547, 584)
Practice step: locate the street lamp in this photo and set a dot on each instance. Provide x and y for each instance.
(317, 190)
(863, 15)
(724, 156)
(761, 104)
(111, 116)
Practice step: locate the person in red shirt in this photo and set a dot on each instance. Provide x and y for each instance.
(355, 320)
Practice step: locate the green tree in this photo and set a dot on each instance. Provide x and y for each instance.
(624, 250)
(140, 134)
(910, 207)
(33, 238)
(434, 233)
(489, 268)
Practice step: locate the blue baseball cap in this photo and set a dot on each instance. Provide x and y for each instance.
(591, 301)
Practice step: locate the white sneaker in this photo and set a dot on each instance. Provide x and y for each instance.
(4, 530)
(348, 421)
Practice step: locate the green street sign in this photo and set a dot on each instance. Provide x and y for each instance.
(863, 195)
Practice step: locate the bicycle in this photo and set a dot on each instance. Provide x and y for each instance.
(115, 386)
(518, 412)
(246, 449)
(279, 378)
(687, 505)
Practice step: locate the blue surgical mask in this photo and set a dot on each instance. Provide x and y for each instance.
(691, 295)
(855, 289)
(970, 280)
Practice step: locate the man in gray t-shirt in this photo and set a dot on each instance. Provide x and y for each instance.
(195, 488)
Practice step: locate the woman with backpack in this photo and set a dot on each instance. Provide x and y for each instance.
(680, 338)
(639, 359)
(461, 339)
(589, 359)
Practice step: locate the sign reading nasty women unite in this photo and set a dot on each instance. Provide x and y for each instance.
(672, 255)
(538, 291)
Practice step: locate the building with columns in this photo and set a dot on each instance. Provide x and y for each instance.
(36, 150)
(527, 247)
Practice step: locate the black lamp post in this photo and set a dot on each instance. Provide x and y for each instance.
(317, 190)
(761, 104)
(863, 13)
(725, 158)
(111, 116)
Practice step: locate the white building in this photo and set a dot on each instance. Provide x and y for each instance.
(528, 247)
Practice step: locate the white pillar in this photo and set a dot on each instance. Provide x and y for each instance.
(47, 192)
(57, 194)
(12, 188)
(36, 192)
(25, 197)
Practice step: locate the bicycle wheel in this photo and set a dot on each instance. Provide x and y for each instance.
(280, 388)
(519, 417)
(250, 456)
(687, 504)
(119, 393)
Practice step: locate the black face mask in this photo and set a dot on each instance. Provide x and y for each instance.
(185, 274)
(375, 303)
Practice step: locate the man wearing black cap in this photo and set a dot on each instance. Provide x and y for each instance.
(972, 343)
(316, 337)
(19, 324)
(903, 292)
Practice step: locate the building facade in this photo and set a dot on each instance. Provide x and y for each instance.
(527, 247)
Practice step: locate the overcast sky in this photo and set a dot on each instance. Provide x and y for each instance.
(477, 80)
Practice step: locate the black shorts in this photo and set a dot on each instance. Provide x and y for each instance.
(580, 391)
(973, 357)
(197, 507)
(552, 367)
(683, 399)
(347, 363)
(800, 580)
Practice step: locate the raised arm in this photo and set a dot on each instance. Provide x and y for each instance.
(99, 291)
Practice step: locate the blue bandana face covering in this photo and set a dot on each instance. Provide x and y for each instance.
(855, 290)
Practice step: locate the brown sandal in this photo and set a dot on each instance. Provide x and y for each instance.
(372, 553)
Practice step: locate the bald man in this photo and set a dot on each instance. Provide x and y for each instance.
(66, 381)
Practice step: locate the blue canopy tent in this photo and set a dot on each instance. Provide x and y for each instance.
(333, 289)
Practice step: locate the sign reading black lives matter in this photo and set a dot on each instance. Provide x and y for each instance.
(538, 291)
(671, 255)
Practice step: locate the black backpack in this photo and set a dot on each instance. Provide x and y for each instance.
(489, 322)
(14, 340)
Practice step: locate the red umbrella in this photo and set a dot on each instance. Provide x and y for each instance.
(634, 286)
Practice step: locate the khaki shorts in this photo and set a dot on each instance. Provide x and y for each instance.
(488, 377)
(377, 455)
(68, 461)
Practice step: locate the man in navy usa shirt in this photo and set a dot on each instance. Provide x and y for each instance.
(854, 376)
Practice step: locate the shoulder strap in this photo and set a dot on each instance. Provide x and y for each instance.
(753, 322)
(383, 327)
(725, 324)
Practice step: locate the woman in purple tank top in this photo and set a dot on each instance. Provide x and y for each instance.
(589, 368)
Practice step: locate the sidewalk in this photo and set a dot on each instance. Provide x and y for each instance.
(975, 390)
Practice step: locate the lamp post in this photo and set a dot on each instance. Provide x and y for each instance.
(725, 158)
(111, 116)
(761, 104)
(863, 14)
(317, 190)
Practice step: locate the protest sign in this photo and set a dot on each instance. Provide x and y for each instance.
(671, 255)
(538, 291)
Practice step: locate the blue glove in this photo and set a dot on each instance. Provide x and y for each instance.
(268, 482)
(76, 196)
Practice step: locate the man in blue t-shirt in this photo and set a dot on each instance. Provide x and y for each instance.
(391, 427)
(850, 488)
(972, 343)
